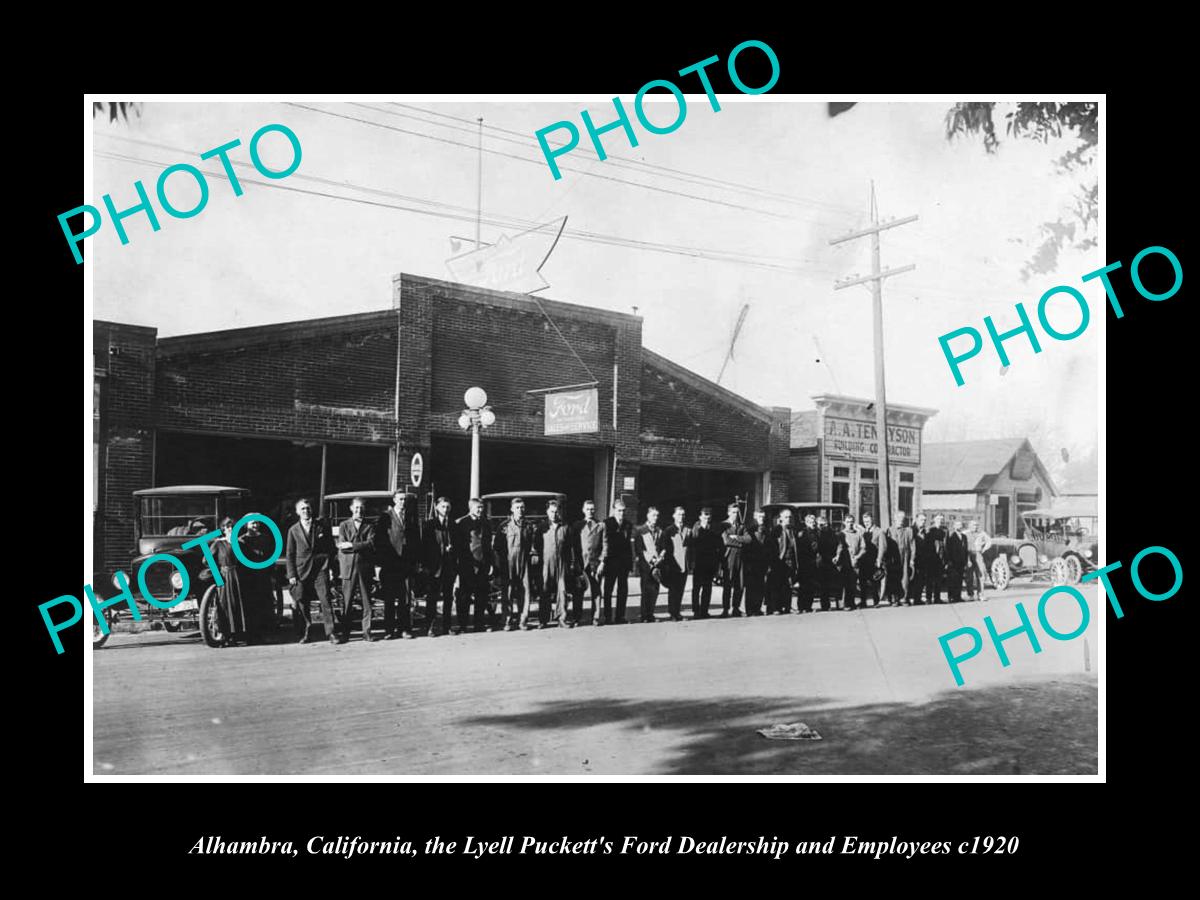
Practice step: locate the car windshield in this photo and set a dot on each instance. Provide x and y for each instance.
(535, 508)
(179, 514)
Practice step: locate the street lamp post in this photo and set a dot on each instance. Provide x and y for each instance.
(476, 417)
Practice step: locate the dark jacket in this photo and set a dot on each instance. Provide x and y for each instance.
(439, 547)
(876, 542)
(620, 545)
(956, 550)
(397, 544)
(679, 551)
(707, 548)
(828, 546)
(357, 560)
(783, 552)
(735, 538)
(473, 544)
(931, 546)
(652, 548)
(756, 554)
(806, 549)
(308, 553)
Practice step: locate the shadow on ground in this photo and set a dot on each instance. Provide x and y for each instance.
(1045, 727)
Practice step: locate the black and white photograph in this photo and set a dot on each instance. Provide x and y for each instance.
(572, 437)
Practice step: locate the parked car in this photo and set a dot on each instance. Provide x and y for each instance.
(834, 513)
(1059, 545)
(496, 508)
(166, 518)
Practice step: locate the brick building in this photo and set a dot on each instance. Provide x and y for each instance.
(344, 403)
(834, 453)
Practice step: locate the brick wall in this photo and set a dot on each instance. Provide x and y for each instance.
(125, 365)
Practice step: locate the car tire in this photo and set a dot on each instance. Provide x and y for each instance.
(210, 621)
(1074, 569)
(1001, 573)
(1058, 572)
(99, 637)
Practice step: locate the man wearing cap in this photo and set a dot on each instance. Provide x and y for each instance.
(441, 566)
(517, 545)
(474, 545)
(756, 558)
(397, 540)
(870, 564)
(619, 563)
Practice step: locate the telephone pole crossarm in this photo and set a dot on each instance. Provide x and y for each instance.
(874, 229)
(838, 285)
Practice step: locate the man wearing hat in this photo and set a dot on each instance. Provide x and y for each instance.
(397, 538)
(517, 545)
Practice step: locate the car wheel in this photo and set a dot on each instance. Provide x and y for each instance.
(1001, 573)
(99, 636)
(210, 620)
(1058, 571)
(1074, 569)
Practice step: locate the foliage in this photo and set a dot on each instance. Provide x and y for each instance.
(113, 109)
(1041, 122)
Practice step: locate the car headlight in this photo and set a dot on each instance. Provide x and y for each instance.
(117, 584)
(177, 580)
(1043, 559)
(1016, 560)
(1088, 552)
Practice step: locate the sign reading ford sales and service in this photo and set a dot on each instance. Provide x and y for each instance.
(576, 412)
(858, 440)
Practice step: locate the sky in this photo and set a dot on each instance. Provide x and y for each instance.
(276, 255)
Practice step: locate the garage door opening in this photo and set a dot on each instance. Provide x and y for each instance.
(667, 487)
(514, 466)
(276, 472)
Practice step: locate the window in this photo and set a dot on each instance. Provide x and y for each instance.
(906, 477)
(841, 492)
(841, 471)
(906, 499)
(868, 474)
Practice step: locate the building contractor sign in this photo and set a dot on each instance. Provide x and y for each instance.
(573, 413)
(858, 440)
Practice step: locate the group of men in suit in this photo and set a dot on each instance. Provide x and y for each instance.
(761, 564)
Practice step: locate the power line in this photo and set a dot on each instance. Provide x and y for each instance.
(540, 163)
(698, 253)
(629, 163)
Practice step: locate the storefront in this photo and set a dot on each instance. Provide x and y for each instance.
(834, 454)
(991, 481)
(347, 403)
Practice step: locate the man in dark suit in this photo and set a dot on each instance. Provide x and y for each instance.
(756, 558)
(473, 543)
(652, 551)
(676, 564)
(807, 562)
(516, 544)
(736, 539)
(931, 556)
(956, 561)
(357, 568)
(309, 547)
(397, 539)
(828, 553)
(706, 562)
(870, 567)
(784, 565)
(555, 550)
(619, 563)
(440, 564)
(590, 544)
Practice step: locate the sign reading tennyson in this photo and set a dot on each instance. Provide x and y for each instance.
(576, 412)
(859, 440)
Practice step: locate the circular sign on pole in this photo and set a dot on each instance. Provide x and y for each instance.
(415, 469)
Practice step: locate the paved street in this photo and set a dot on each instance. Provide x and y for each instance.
(682, 698)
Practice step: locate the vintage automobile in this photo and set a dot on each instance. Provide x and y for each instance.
(166, 518)
(1059, 545)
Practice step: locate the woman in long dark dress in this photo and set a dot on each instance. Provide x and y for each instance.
(231, 607)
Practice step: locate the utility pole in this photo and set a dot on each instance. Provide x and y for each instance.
(875, 279)
(479, 194)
